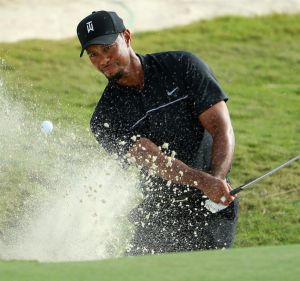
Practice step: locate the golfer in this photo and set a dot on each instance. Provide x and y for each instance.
(166, 113)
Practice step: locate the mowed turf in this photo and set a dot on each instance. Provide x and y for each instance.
(247, 264)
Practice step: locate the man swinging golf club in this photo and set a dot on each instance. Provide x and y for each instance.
(167, 113)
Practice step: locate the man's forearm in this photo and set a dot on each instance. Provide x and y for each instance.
(222, 153)
(147, 155)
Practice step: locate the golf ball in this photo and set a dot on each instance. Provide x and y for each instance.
(46, 127)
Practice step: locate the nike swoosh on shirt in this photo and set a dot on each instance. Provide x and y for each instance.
(172, 92)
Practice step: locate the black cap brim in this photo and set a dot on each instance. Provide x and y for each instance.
(101, 40)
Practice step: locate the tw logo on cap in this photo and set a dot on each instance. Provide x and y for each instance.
(89, 26)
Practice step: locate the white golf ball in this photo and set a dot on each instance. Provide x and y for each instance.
(46, 127)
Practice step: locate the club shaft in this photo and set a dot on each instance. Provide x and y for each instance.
(248, 184)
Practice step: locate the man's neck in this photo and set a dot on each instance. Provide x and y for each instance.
(134, 74)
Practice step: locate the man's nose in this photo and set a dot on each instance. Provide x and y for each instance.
(102, 60)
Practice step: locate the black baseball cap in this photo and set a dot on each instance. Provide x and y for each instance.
(100, 27)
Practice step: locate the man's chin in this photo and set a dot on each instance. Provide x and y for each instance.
(115, 77)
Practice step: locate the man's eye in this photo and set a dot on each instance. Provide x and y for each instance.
(107, 48)
(91, 55)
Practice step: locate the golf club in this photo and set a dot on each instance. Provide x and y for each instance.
(216, 207)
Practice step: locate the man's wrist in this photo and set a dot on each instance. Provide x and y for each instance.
(198, 179)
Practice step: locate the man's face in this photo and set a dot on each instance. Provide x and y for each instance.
(111, 60)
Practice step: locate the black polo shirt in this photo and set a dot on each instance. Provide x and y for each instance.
(178, 87)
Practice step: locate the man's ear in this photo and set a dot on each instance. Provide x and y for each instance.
(127, 36)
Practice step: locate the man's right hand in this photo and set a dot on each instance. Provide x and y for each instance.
(216, 188)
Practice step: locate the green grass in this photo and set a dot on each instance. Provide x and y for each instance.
(257, 61)
(248, 264)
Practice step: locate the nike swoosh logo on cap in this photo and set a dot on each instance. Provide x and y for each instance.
(172, 92)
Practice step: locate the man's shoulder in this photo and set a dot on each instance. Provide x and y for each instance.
(108, 95)
(105, 101)
(170, 55)
(175, 59)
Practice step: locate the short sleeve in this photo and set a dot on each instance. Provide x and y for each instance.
(203, 88)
